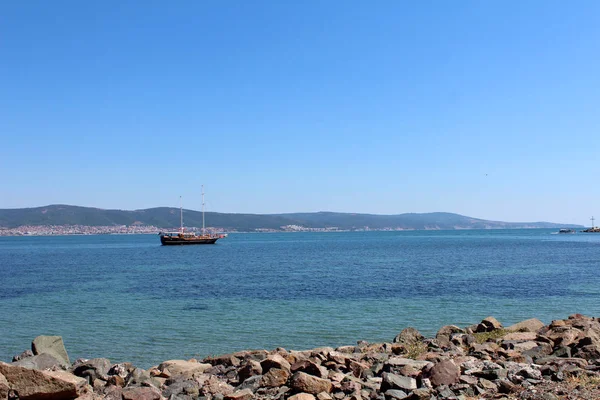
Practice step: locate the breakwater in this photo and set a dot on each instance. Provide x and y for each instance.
(527, 360)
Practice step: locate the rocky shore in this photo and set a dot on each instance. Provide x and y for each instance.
(528, 360)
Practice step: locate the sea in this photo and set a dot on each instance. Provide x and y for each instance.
(127, 298)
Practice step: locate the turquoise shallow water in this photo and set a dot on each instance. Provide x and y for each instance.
(127, 298)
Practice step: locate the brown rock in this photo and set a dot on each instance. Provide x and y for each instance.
(141, 393)
(324, 396)
(275, 377)
(251, 368)
(307, 366)
(303, 382)
(408, 336)
(212, 386)
(520, 336)
(32, 384)
(245, 394)
(489, 324)
(181, 367)
(444, 373)
(302, 396)
(4, 388)
(529, 325)
(275, 361)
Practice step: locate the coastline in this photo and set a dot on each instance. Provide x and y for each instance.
(528, 360)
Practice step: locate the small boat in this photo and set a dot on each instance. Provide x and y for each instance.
(566, 230)
(182, 237)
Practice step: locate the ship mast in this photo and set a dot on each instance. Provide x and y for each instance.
(202, 209)
(180, 215)
(592, 221)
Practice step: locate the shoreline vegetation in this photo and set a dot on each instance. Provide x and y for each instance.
(528, 360)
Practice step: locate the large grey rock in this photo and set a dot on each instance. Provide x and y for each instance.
(31, 384)
(303, 382)
(41, 361)
(52, 345)
(393, 381)
(444, 373)
(96, 368)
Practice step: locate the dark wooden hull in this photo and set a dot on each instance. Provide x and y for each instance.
(175, 241)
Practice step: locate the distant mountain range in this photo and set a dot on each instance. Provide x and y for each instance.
(166, 218)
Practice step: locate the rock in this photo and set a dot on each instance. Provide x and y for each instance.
(487, 385)
(324, 396)
(303, 382)
(529, 325)
(395, 394)
(275, 377)
(408, 336)
(444, 373)
(520, 336)
(4, 387)
(252, 383)
(96, 368)
(275, 361)
(25, 354)
(30, 384)
(228, 360)
(213, 387)
(393, 381)
(141, 393)
(245, 394)
(40, 362)
(302, 396)
(489, 324)
(52, 345)
(186, 387)
(421, 394)
(182, 367)
(307, 366)
(251, 368)
(401, 361)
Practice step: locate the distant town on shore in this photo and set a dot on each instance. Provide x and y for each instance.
(75, 220)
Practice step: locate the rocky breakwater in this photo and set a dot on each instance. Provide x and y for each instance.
(525, 361)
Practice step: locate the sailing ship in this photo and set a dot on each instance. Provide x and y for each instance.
(182, 237)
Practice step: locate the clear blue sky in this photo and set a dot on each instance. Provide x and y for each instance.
(484, 108)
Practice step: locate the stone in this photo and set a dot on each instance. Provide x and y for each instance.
(408, 336)
(185, 387)
(444, 373)
(520, 336)
(182, 367)
(275, 361)
(303, 382)
(393, 381)
(395, 394)
(40, 362)
(4, 387)
(96, 368)
(251, 368)
(245, 394)
(275, 377)
(529, 325)
(213, 387)
(307, 366)
(52, 345)
(30, 384)
(487, 385)
(489, 324)
(25, 354)
(252, 383)
(421, 394)
(401, 361)
(141, 393)
(324, 396)
(302, 396)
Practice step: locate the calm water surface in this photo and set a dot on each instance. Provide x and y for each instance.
(127, 298)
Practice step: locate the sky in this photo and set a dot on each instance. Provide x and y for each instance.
(484, 108)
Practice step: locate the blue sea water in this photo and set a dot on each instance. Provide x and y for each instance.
(127, 298)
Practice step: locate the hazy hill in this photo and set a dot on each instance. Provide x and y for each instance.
(167, 217)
